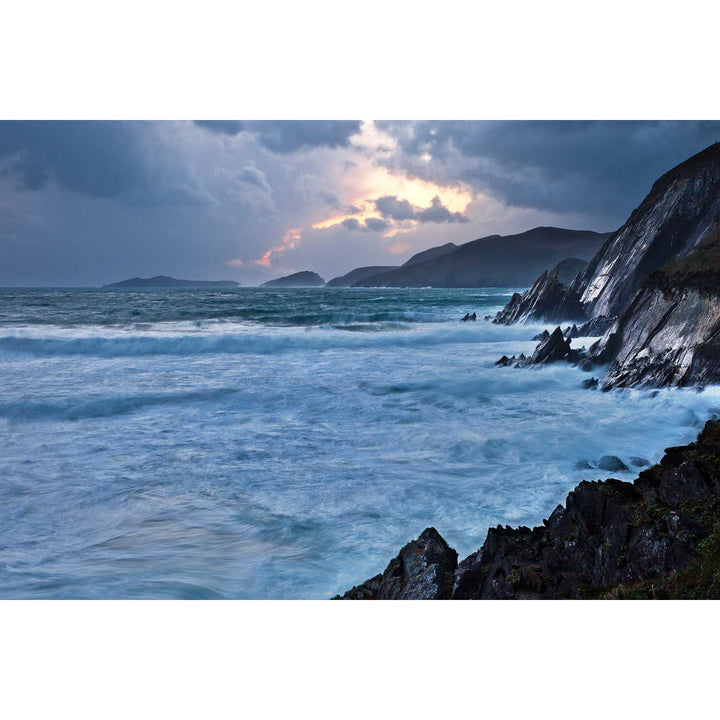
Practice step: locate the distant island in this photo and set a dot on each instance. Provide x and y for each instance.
(305, 278)
(165, 281)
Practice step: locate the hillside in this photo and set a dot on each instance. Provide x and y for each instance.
(359, 274)
(493, 261)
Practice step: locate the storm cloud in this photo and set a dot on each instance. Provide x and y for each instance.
(289, 136)
(598, 167)
(93, 202)
(101, 159)
(391, 207)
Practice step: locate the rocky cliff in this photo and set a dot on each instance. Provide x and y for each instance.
(653, 289)
(657, 537)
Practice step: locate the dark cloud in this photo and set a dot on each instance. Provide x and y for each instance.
(289, 136)
(600, 168)
(390, 206)
(101, 159)
(371, 224)
(376, 224)
(438, 213)
(221, 127)
(351, 223)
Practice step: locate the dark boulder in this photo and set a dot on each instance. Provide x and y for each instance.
(589, 383)
(611, 463)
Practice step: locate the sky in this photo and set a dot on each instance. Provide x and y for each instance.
(89, 203)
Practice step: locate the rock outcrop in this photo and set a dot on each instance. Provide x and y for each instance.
(423, 570)
(658, 536)
(653, 289)
(547, 300)
(679, 212)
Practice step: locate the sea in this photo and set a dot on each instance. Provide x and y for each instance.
(267, 443)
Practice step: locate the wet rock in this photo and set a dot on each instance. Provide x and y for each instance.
(639, 461)
(548, 299)
(596, 326)
(555, 348)
(609, 538)
(589, 384)
(544, 335)
(504, 361)
(423, 570)
(611, 463)
(571, 332)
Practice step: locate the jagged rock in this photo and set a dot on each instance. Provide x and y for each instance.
(589, 383)
(571, 332)
(653, 289)
(681, 209)
(544, 335)
(611, 539)
(596, 326)
(555, 348)
(423, 570)
(504, 361)
(611, 463)
(548, 299)
(670, 337)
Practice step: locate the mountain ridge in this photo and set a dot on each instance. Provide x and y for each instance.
(485, 262)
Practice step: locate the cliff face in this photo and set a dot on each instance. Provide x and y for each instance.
(681, 210)
(653, 289)
(656, 537)
(670, 334)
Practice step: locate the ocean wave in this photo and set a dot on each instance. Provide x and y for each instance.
(255, 343)
(101, 407)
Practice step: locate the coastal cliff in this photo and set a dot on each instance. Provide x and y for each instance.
(653, 289)
(656, 537)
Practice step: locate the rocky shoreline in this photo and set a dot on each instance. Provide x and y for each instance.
(656, 537)
(652, 291)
